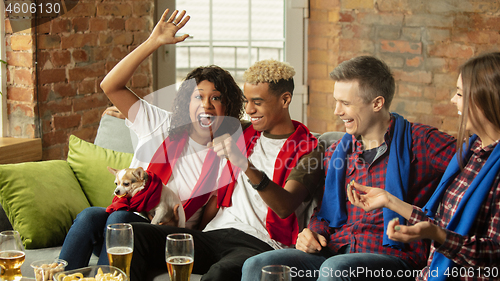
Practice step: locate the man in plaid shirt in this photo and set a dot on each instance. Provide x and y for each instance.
(342, 241)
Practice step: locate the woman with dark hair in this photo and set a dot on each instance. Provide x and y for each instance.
(462, 216)
(171, 145)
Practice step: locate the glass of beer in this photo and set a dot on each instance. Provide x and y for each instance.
(179, 254)
(11, 255)
(120, 245)
(276, 273)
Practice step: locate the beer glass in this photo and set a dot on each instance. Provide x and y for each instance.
(120, 245)
(11, 255)
(179, 254)
(276, 273)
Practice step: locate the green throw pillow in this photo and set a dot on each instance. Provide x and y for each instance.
(89, 163)
(41, 200)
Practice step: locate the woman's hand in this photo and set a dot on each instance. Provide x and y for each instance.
(310, 242)
(370, 199)
(409, 233)
(165, 30)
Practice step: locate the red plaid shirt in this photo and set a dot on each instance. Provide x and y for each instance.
(478, 253)
(432, 150)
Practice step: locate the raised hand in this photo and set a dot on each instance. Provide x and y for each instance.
(115, 82)
(310, 242)
(369, 199)
(166, 29)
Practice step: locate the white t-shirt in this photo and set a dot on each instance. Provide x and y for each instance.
(151, 125)
(248, 211)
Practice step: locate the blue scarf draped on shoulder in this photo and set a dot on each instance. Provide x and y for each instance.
(468, 207)
(333, 208)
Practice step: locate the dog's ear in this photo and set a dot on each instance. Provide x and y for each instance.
(111, 170)
(139, 173)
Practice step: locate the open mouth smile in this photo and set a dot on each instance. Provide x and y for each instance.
(206, 120)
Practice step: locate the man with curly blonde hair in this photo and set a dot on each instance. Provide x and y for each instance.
(278, 75)
(276, 176)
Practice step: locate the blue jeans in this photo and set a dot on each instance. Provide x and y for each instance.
(341, 266)
(87, 235)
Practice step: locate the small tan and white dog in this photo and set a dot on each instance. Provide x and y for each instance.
(169, 210)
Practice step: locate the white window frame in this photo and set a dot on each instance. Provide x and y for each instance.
(295, 53)
(3, 74)
(248, 43)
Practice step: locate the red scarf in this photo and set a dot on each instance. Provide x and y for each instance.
(143, 201)
(300, 143)
(166, 157)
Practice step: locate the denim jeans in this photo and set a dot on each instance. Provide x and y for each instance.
(341, 266)
(87, 235)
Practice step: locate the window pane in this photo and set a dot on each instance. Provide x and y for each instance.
(231, 44)
(230, 20)
(268, 19)
(198, 24)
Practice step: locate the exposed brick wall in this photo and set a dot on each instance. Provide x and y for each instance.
(73, 53)
(21, 103)
(423, 42)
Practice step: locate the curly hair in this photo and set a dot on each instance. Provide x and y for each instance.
(278, 74)
(232, 96)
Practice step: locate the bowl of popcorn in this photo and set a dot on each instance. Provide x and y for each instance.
(92, 273)
(45, 269)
